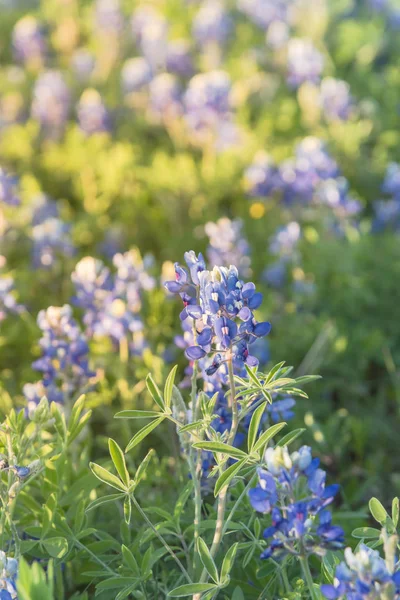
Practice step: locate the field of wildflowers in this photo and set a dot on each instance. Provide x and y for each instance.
(199, 299)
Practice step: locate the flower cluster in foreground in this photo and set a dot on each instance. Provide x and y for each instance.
(292, 489)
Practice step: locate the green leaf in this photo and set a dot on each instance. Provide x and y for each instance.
(104, 500)
(267, 435)
(154, 392)
(395, 511)
(226, 477)
(237, 594)
(183, 498)
(73, 434)
(140, 435)
(366, 532)
(169, 384)
(252, 375)
(274, 371)
(127, 509)
(191, 588)
(143, 466)
(137, 414)
(254, 425)
(76, 412)
(377, 511)
(220, 448)
(106, 477)
(130, 560)
(118, 459)
(57, 547)
(290, 437)
(228, 561)
(207, 560)
(307, 379)
(190, 426)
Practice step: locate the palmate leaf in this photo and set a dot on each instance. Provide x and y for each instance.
(140, 435)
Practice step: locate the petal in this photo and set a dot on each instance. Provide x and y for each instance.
(262, 329)
(194, 352)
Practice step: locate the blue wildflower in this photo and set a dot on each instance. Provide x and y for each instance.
(297, 501)
(363, 575)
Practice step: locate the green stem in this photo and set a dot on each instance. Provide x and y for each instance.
(164, 543)
(307, 575)
(223, 496)
(236, 505)
(195, 471)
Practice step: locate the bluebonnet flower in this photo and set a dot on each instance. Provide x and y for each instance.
(208, 106)
(300, 176)
(304, 62)
(29, 43)
(264, 12)
(334, 193)
(227, 244)
(149, 29)
(8, 577)
(285, 239)
(83, 63)
(51, 238)
(283, 245)
(275, 274)
(221, 306)
(136, 73)
(8, 303)
(51, 102)
(64, 362)
(364, 575)
(277, 35)
(387, 212)
(43, 208)
(281, 410)
(112, 303)
(165, 96)
(179, 59)
(292, 489)
(108, 16)
(335, 98)
(391, 183)
(34, 392)
(211, 23)
(261, 178)
(93, 116)
(8, 185)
